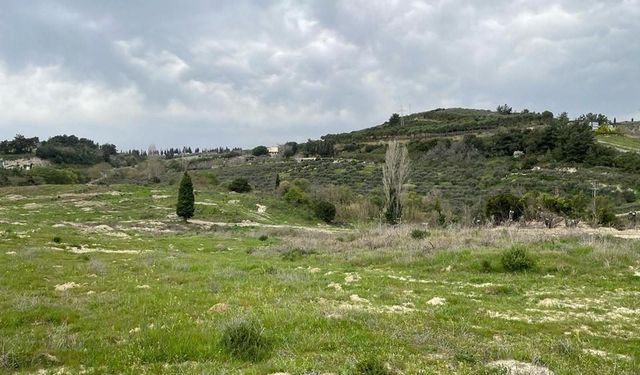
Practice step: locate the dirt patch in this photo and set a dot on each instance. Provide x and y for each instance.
(603, 354)
(513, 367)
(436, 301)
(67, 286)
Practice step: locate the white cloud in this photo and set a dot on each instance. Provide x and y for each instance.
(189, 73)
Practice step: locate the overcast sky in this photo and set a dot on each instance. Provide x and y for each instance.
(209, 73)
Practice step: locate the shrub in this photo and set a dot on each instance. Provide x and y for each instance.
(296, 254)
(325, 211)
(517, 259)
(240, 185)
(486, 266)
(263, 237)
(371, 366)
(260, 151)
(504, 206)
(244, 339)
(56, 176)
(419, 234)
(57, 239)
(296, 195)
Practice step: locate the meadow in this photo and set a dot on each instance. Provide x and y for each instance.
(105, 279)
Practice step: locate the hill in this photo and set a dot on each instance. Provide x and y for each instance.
(443, 122)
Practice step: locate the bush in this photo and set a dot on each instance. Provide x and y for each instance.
(296, 195)
(517, 259)
(56, 176)
(244, 339)
(371, 366)
(325, 211)
(260, 151)
(263, 237)
(504, 206)
(240, 185)
(296, 254)
(485, 265)
(57, 239)
(419, 234)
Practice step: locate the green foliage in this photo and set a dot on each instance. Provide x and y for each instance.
(56, 176)
(19, 145)
(294, 194)
(296, 254)
(69, 149)
(186, 200)
(289, 149)
(260, 151)
(393, 212)
(263, 237)
(394, 120)
(517, 259)
(371, 366)
(240, 185)
(605, 213)
(504, 109)
(419, 234)
(324, 210)
(244, 339)
(504, 206)
(574, 142)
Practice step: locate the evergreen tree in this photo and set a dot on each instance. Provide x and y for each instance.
(277, 180)
(186, 199)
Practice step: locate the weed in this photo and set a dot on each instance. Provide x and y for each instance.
(244, 339)
(296, 254)
(419, 234)
(371, 366)
(517, 259)
(486, 266)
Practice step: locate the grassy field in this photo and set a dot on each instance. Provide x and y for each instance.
(621, 142)
(107, 280)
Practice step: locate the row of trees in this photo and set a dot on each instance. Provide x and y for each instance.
(19, 145)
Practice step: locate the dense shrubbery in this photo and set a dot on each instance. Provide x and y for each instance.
(69, 149)
(504, 206)
(260, 151)
(19, 145)
(57, 176)
(517, 259)
(325, 211)
(240, 185)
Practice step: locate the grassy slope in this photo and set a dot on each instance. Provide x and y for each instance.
(621, 142)
(149, 312)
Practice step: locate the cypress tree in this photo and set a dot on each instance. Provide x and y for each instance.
(186, 199)
(277, 180)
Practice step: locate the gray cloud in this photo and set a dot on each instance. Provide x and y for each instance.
(264, 72)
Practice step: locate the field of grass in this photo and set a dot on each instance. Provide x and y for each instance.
(103, 280)
(622, 142)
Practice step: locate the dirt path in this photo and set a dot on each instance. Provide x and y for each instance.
(328, 230)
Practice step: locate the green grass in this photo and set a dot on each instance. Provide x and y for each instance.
(319, 302)
(622, 142)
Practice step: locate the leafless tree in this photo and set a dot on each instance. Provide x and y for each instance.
(394, 175)
(154, 164)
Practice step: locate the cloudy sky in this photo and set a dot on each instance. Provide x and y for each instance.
(243, 72)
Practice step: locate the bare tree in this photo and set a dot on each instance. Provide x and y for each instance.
(394, 175)
(154, 165)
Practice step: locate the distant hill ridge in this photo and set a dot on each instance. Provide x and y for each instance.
(443, 122)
